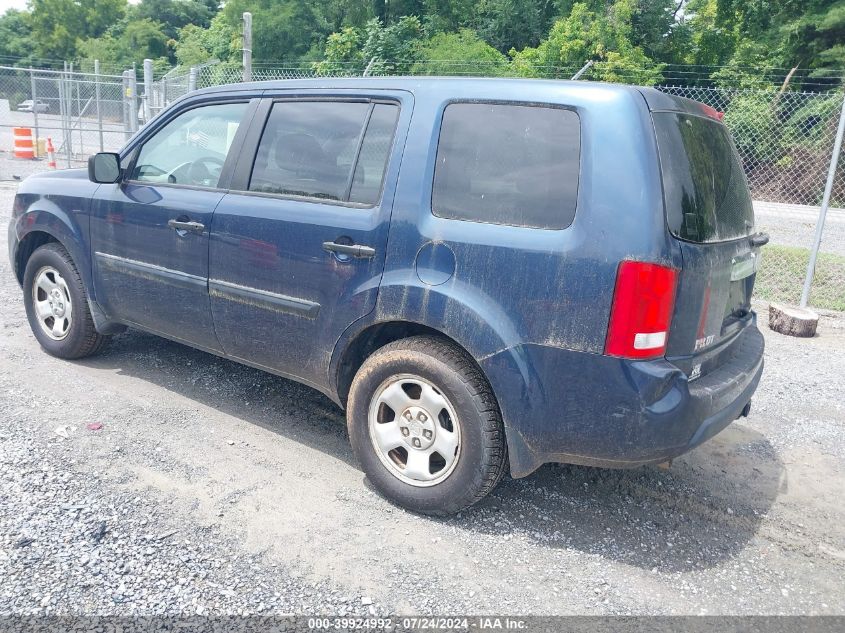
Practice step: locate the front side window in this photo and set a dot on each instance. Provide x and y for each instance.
(191, 149)
(329, 150)
(508, 164)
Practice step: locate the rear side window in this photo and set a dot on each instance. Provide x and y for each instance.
(372, 159)
(707, 198)
(312, 149)
(508, 164)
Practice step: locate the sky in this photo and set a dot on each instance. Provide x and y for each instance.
(5, 5)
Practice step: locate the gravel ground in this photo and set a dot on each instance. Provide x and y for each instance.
(215, 488)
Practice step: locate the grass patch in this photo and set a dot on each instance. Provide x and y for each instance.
(782, 271)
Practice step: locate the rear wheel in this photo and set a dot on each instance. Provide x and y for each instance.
(56, 305)
(425, 426)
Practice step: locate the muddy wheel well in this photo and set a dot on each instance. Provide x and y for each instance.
(27, 247)
(371, 339)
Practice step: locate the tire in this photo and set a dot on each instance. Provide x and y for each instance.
(446, 402)
(75, 336)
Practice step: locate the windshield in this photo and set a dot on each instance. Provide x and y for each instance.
(705, 190)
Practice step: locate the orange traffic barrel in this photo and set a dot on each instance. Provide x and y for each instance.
(23, 143)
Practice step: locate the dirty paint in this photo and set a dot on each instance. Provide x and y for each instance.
(530, 305)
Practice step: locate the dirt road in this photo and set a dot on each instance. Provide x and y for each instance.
(215, 488)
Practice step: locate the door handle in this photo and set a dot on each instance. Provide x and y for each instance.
(354, 250)
(193, 227)
(759, 239)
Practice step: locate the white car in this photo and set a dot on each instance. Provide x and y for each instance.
(30, 106)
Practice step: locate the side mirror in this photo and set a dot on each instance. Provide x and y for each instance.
(104, 168)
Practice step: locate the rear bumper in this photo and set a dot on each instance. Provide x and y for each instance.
(582, 408)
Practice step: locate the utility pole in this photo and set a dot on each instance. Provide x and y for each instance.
(247, 50)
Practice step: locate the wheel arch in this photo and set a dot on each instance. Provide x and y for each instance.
(28, 245)
(514, 374)
(43, 221)
(41, 233)
(350, 356)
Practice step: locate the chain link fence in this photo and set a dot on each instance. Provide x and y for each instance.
(77, 114)
(785, 140)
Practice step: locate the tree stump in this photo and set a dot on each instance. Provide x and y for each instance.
(793, 321)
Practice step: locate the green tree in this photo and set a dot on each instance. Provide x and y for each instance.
(508, 24)
(342, 13)
(711, 42)
(196, 45)
(342, 53)
(15, 36)
(58, 26)
(447, 15)
(603, 37)
(174, 14)
(652, 26)
(459, 53)
(282, 30)
(130, 42)
(757, 42)
(392, 49)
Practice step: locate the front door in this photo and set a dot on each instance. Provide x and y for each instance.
(297, 255)
(149, 233)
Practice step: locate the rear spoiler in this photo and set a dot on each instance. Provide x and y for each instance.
(659, 101)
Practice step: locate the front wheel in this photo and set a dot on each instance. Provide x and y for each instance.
(57, 306)
(426, 427)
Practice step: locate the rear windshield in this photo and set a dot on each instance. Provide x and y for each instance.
(706, 194)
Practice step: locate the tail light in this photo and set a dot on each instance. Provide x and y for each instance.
(642, 310)
(713, 113)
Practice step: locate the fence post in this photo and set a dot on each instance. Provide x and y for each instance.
(828, 189)
(66, 118)
(133, 102)
(128, 97)
(584, 69)
(247, 50)
(97, 101)
(80, 109)
(123, 85)
(34, 107)
(369, 67)
(192, 79)
(148, 89)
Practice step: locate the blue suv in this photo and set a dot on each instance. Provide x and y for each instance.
(488, 275)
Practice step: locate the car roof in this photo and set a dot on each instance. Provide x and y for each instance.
(508, 86)
(518, 89)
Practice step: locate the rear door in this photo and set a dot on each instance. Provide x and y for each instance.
(709, 213)
(297, 252)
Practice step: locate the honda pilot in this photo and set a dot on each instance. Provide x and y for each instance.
(487, 275)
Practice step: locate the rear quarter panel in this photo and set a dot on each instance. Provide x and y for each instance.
(512, 286)
(504, 291)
